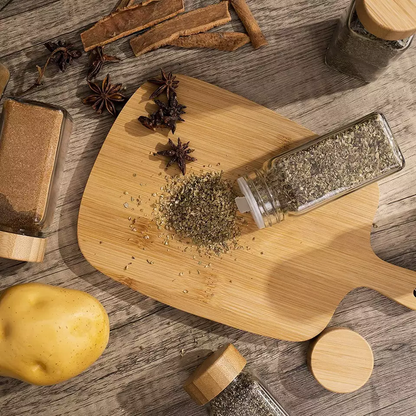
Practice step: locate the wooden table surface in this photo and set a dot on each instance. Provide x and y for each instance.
(153, 347)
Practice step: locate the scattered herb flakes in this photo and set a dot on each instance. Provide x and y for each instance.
(202, 209)
(150, 262)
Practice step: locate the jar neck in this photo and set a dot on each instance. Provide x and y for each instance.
(267, 202)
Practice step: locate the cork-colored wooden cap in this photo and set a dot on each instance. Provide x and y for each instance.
(388, 19)
(22, 247)
(215, 374)
(341, 360)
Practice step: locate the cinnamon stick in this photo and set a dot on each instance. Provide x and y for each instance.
(223, 41)
(130, 20)
(196, 21)
(250, 23)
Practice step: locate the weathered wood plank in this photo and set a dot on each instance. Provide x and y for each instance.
(13, 7)
(142, 370)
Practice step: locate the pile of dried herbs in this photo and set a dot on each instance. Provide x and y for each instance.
(245, 396)
(339, 163)
(202, 209)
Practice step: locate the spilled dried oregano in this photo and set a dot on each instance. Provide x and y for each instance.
(202, 210)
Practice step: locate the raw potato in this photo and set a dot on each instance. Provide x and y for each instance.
(49, 334)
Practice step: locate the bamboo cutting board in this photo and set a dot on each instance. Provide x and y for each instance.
(288, 280)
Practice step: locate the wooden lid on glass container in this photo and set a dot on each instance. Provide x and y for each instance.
(388, 19)
(215, 374)
(22, 247)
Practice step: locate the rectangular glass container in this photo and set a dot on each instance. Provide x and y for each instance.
(246, 395)
(322, 170)
(356, 52)
(33, 144)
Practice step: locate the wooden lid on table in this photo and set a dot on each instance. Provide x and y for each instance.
(388, 19)
(341, 360)
(215, 374)
(22, 247)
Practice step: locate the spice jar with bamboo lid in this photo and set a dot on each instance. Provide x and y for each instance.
(300, 180)
(370, 36)
(33, 144)
(227, 387)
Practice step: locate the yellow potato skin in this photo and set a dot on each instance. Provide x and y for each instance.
(49, 334)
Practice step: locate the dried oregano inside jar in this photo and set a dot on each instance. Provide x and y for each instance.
(225, 385)
(370, 36)
(320, 171)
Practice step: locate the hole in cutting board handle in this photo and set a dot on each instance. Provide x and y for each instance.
(414, 293)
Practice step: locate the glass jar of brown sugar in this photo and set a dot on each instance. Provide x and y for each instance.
(33, 143)
(370, 36)
(228, 388)
(321, 171)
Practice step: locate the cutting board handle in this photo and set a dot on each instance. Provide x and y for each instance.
(394, 282)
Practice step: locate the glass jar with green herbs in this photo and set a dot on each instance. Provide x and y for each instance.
(321, 171)
(228, 388)
(371, 34)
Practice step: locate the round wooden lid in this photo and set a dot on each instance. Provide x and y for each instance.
(341, 360)
(388, 19)
(215, 374)
(22, 247)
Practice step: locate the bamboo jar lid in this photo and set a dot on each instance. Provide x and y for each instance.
(341, 360)
(388, 19)
(215, 374)
(22, 247)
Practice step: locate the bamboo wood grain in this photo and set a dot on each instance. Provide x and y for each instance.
(22, 247)
(215, 374)
(289, 282)
(341, 360)
(392, 20)
(154, 348)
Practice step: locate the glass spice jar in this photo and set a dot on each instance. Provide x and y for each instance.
(225, 385)
(33, 144)
(321, 171)
(371, 34)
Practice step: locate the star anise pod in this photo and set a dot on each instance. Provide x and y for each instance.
(61, 54)
(153, 121)
(171, 113)
(97, 60)
(178, 154)
(167, 84)
(64, 57)
(166, 116)
(104, 96)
